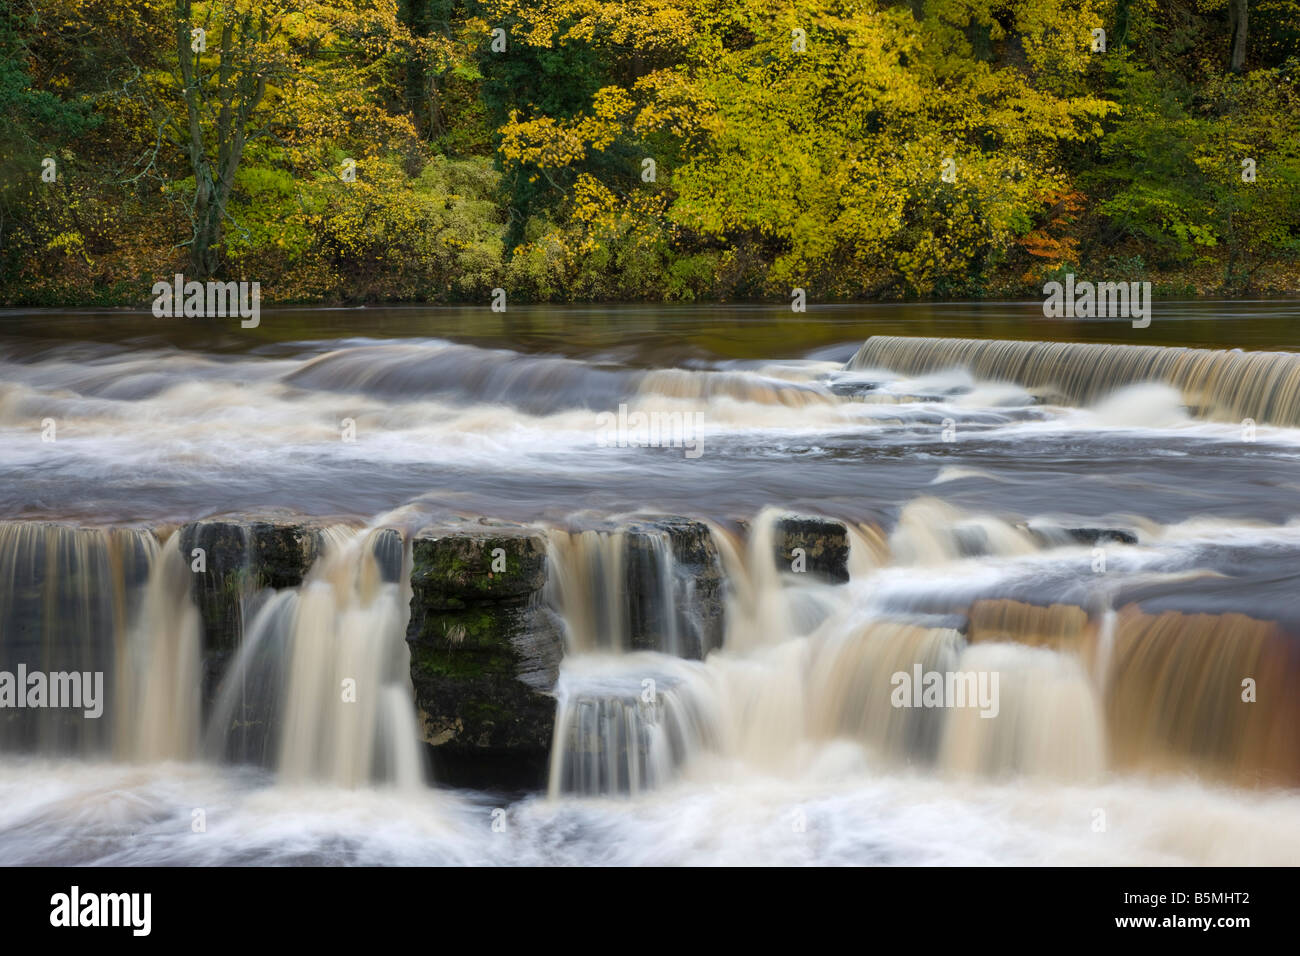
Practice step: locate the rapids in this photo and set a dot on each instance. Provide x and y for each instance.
(1108, 532)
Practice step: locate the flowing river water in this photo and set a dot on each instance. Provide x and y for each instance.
(1111, 530)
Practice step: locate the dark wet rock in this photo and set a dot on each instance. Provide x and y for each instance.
(387, 547)
(1046, 396)
(674, 554)
(1101, 536)
(243, 554)
(485, 653)
(825, 545)
(1055, 536)
(851, 389)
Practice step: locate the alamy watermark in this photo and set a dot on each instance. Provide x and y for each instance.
(1100, 300)
(923, 688)
(651, 430)
(75, 908)
(194, 299)
(76, 690)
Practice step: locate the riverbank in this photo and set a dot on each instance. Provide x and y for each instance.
(48, 291)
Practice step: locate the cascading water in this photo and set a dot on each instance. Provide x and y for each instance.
(160, 683)
(1177, 689)
(588, 587)
(617, 731)
(807, 661)
(67, 599)
(323, 676)
(630, 609)
(628, 723)
(1230, 385)
(1002, 606)
(321, 685)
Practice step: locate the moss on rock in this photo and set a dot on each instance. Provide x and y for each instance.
(824, 542)
(485, 653)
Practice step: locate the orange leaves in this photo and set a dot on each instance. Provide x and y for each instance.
(1052, 242)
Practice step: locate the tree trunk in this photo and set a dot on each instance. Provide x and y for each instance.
(239, 88)
(1122, 20)
(435, 108)
(1237, 10)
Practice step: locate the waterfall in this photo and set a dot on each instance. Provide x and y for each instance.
(768, 603)
(1075, 691)
(1221, 385)
(321, 686)
(588, 587)
(68, 596)
(628, 711)
(627, 588)
(1064, 628)
(630, 722)
(852, 690)
(160, 689)
(1049, 722)
(1216, 693)
(1045, 716)
(618, 732)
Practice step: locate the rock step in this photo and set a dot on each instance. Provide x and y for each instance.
(485, 653)
(823, 543)
(485, 648)
(699, 583)
(240, 555)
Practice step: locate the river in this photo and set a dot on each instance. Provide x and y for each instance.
(1107, 535)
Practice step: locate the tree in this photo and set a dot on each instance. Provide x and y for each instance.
(219, 106)
(872, 147)
(286, 71)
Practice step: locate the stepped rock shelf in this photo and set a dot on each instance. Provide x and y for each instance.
(485, 645)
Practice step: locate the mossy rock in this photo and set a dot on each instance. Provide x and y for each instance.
(485, 654)
(459, 566)
(825, 545)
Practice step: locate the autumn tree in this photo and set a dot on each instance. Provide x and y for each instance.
(284, 71)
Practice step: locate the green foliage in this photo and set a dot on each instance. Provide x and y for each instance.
(824, 166)
(436, 236)
(1171, 171)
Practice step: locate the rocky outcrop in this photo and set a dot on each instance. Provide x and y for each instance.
(1102, 536)
(485, 653)
(242, 554)
(1052, 536)
(678, 554)
(824, 544)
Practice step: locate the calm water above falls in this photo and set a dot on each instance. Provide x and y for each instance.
(959, 474)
